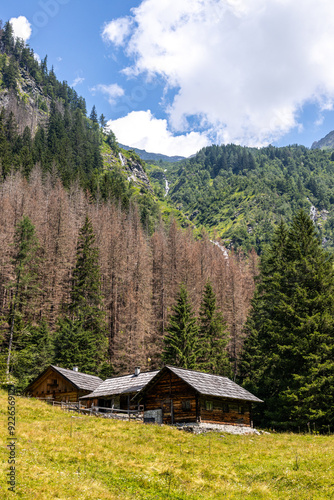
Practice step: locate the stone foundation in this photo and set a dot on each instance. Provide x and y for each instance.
(202, 427)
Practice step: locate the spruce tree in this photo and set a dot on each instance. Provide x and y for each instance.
(24, 287)
(212, 336)
(288, 356)
(9, 75)
(181, 342)
(35, 353)
(102, 120)
(81, 338)
(93, 115)
(7, 38)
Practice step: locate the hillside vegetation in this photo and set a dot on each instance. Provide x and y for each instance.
(241, 193)
(63, 457)
(45, 122)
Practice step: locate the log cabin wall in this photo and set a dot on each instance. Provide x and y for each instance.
(223, 410)
(118, 401)
(176, 399)
(90, 402)
(54, 386)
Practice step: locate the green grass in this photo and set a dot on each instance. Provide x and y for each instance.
(105, 459)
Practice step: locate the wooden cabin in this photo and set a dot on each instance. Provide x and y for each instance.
(118, 392)
(60, 384)
(175, 395)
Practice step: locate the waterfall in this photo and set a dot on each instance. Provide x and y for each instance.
(166, 183)
(166, 187)
(121, 157)
(313, 213)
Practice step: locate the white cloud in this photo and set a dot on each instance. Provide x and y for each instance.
(319, 121)
(37, 57)
(117, 30)
(140, 129)
(112, 91)
(21, 27)
(244, 68)
(77, 81)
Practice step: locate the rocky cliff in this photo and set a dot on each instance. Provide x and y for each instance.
(326, 142)
(28, 103)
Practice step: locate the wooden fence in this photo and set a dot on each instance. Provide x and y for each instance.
(98, 411)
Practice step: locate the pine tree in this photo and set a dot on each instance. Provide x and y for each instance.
(212, 335)
(81, 338)
(7, 38)
(288, 356)
(86, 280)
(35, 354)
(181, 342)
(93, 115)
(112, 141)
(102, 120)
(75, 346)
(25, 284)
(10, 75)
(44, 66)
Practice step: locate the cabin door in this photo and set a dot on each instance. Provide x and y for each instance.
(167, 411)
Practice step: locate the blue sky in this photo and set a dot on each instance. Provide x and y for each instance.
(173, 76)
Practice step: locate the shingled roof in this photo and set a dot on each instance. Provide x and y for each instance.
(206, 385)
(81, 381)
(121, 385)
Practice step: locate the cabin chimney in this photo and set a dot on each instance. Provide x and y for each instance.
(75, 368)
(137, 371)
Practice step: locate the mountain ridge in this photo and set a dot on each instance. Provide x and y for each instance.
(147, 156)
(326, 142)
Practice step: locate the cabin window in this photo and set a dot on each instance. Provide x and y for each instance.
(209, 405)
(55, 381)
(186, 405)
(226, 408)
(241, 410)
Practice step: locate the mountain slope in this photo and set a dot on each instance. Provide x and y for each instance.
(44, 122)
(239, 193)
(155, 157)
(326, 142)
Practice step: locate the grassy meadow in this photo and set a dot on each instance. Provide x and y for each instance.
(61, 457)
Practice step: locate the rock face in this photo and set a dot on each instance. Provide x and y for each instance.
(326, 142)
(25, 103)
(132, 167)
(136, 171)
(26, 112)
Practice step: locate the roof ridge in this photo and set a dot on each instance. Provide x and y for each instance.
(196, 384)
(196, 371)
(74, 372)
(130, 375)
